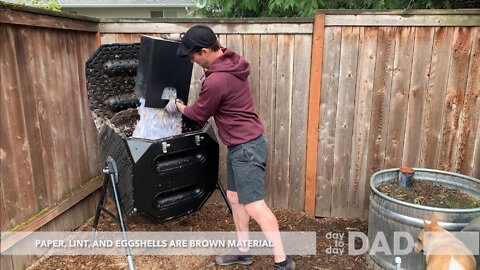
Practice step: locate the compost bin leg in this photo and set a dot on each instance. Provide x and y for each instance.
(103, 192)
(222, 191)
(110, 172)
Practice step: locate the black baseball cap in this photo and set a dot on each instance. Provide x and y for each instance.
(196, 38)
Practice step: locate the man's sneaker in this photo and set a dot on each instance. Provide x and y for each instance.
(289, 265)
(233, 259)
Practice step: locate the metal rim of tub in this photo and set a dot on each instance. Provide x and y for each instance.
(430, 208)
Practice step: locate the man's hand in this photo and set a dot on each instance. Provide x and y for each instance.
(179, 104)
(173, 106)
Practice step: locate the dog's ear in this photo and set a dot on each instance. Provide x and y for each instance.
(434, 220)
(426, 225)
(420, 235)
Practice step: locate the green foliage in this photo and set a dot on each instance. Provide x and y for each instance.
(417, 201)
(306, 8)
(45, 4)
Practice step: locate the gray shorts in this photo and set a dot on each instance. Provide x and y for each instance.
(246, 170)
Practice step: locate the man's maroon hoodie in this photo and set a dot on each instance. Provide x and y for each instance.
(226, 95)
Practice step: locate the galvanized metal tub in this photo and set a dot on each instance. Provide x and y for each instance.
(388, 215)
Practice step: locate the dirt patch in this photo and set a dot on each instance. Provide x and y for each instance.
(429, 194)
(215, 217)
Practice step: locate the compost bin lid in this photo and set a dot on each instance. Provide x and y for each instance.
(113, 69)
(160, 68)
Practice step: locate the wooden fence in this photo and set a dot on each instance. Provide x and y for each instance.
(390, 90)
(341, 98)
(386, 89)
(48, 143)
(279, 56)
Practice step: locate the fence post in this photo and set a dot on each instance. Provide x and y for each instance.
(313, 112)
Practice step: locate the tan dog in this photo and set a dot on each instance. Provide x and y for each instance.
(443, 250)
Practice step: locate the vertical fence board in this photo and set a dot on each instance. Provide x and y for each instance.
(476, 159)
(6, 262)
(381, 101)
(90, 138)
(252, 55)
(43, 176)
(268, 63)
(282, 123)
(14, 142)
(358, 189)
(58, 160)
(3, 205)
(442, 41)
(45, 119)
(422, 53)
(455, 96)
(107, 38)
(469, 124)
(73, 96)
(235, 43)
(299, 113)
(326, 125)
(399, 96)
(344, 119)
(64, 103)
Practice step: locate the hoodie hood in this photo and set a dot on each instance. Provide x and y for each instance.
(232, 63)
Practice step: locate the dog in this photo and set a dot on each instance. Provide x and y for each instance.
(443, 250)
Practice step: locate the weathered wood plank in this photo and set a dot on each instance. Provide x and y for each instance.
(404, 40)
(251, 49)
(6, 262)
(326, 124)
(299, 115)
(75, 142)
(126, 38)
(53, 145)
(476, 159)
(235, 43)
(466, 162)
(455, 97)
(432, 137)
(45, 119)
(218, 27)
(402, 12)
(10, 16)
(29, 121)
(402, 20)
(90, 135)
(3, 205)
(107, 38)
(64, 103)
(359, 184)
(381, 101)
(17, 188)
(266, 110)
(344, 120)
(34, 106)
(56, 108)
(422, 54)
(282, 124)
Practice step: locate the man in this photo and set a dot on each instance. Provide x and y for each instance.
(226, 95)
